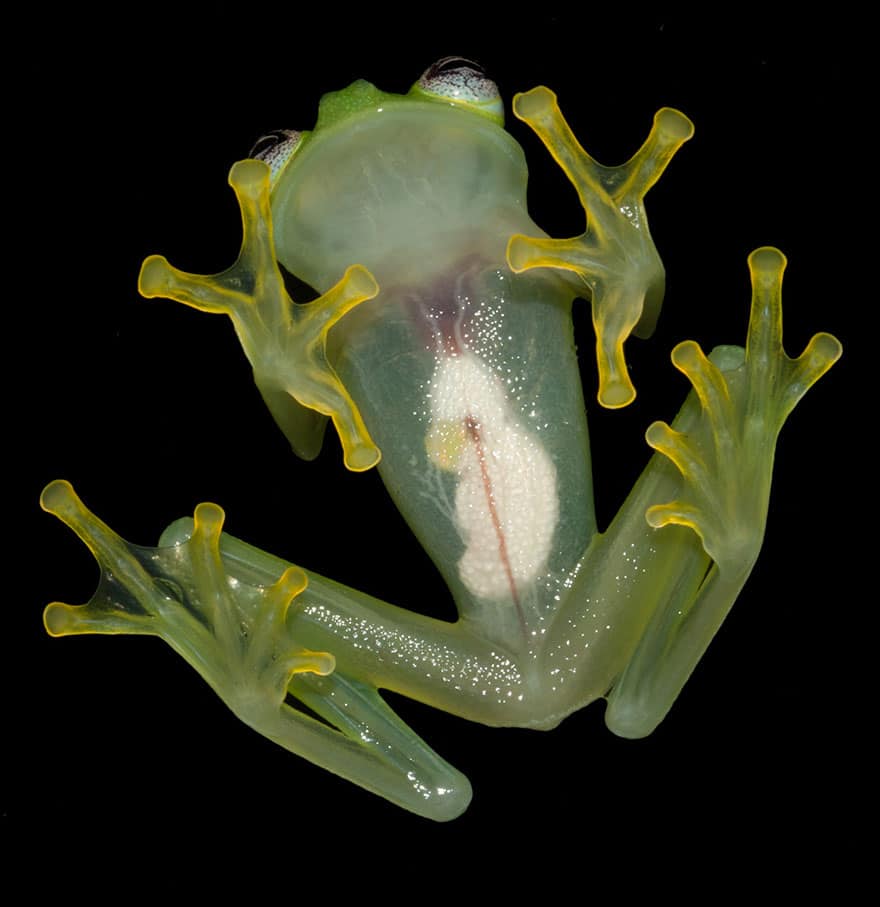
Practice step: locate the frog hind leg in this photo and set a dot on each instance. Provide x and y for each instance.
(237, 636)
(722, 444)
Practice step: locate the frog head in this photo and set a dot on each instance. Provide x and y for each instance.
(397, 182)
(451, 80)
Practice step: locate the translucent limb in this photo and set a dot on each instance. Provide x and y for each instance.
(237, 636)
(615, 258)
(745, 396)
(722, 445)
(285, 343)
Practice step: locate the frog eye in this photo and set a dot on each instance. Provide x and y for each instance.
(463, 83)
(276, 148)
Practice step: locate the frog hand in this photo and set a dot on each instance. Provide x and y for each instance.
(238, 637)
(721, 445)
(285, 343)
(615, 259)
(725, 451)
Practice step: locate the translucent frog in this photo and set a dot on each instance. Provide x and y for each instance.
(441, 347)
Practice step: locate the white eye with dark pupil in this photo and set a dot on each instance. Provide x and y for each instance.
(449, 64)
(267, 145)
(461, 81)
(275, 148)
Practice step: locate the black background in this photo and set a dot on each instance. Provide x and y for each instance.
(149, 408)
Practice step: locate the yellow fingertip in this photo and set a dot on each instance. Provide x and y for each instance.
(657, 435)
(360, 282)
(616, 389)
(306, 662)
(616, 393)
(249, 176)
(534, 104)
(59, 619)
(291, 583)
(687, 356)
(155, 276)
(824, 348)
(59, 497)
(661, 515)
(360, 457)
(673, 124)
(767, 260)
(209, 519)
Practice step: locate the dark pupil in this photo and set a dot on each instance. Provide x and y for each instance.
(269, 141)
(451, 64)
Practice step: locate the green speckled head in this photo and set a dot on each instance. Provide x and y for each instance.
(361, 96)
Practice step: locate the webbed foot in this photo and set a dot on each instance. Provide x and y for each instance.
(241, 638)
(722, 445)
(615, 257)
(285, 343)
(234, 634)
(726, 459)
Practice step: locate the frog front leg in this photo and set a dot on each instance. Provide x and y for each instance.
(615, 261)
(285, 343)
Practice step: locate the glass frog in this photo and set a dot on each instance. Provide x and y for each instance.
(440, 345)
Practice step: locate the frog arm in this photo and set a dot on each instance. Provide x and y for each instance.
(686, 540)
(238, 635)
(285, 343)
(615, 260)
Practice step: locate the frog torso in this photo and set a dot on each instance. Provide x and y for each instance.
(472, 418)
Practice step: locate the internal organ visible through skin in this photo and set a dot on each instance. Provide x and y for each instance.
(506, 505)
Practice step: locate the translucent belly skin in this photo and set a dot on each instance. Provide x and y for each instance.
(484, 444)
(440, 346)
